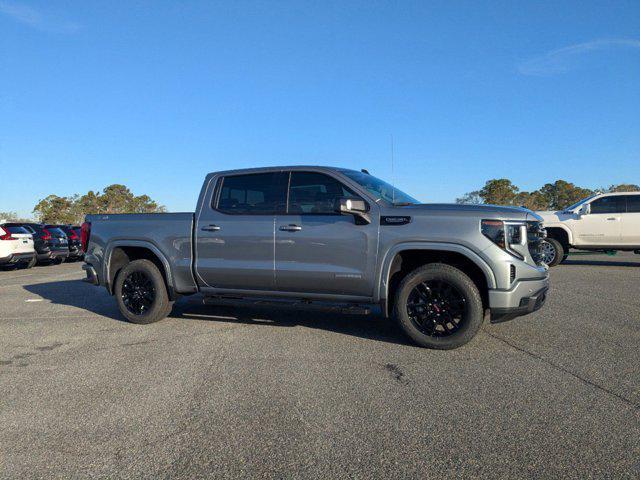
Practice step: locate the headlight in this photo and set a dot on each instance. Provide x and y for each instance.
(503, 234)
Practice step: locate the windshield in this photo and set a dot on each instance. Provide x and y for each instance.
(577, 204)
(379, 188)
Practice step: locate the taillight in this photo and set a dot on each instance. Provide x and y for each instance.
(5, 234)
(47, 235)
(85, 233)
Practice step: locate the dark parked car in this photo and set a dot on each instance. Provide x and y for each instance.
(73, 238)
(50, 243)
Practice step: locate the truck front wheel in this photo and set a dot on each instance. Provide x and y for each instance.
(141, 292)
(438, 306)
(552, 252)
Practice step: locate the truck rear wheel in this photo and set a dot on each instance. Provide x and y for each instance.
(438, 306)
(141, 293)
(552, 251)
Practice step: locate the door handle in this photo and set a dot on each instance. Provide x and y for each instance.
(290, 228)
(612, 218)
(211, 228)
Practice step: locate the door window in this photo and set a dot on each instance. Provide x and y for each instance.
(253, 194)
(633, 203)
(613, 204)
(315, 193)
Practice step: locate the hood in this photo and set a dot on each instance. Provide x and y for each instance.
(498, 212)
(551, 216)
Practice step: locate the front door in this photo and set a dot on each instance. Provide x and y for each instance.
(603, 225)
(318, 250)
(235, 234)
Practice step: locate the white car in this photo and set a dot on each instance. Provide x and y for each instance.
(604, 221)
(16, 247)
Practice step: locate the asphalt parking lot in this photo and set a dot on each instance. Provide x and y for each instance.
(243, 391)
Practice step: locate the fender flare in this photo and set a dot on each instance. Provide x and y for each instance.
(112, 245)
(383, 276)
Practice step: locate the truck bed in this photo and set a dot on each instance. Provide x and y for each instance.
(168, 233)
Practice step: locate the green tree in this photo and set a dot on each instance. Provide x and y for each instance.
(472, 198)
(499, 192)
(624, 187)
(113, 199)
(561, 194)
(531, 200)
(55, 209)
(12, 217)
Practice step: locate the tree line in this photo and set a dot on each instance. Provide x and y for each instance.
(552, 196)
(72, 209)
(119, 199)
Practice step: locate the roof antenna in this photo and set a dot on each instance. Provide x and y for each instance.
(393, 177)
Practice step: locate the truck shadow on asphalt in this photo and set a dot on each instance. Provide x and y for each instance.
(600, 263)
(77, 294)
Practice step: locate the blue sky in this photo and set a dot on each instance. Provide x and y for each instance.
(155, 94)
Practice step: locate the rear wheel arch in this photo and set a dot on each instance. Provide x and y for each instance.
(404, 260)
(121, 254)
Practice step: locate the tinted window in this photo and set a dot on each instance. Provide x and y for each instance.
(633, 203)
(258, 193)
(35, 228)
(315, 193)
(613, 204)
(55, 231)
(15, 229)
(379, 188)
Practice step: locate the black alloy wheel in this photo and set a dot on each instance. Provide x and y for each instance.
(138, 293)
(436, 308)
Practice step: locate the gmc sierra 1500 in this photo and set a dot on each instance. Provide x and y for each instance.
(327, 235)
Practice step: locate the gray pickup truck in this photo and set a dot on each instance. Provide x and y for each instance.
(327, 235)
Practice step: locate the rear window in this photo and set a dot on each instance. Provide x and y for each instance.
(37, 229)
(14, 229)
(56, 231)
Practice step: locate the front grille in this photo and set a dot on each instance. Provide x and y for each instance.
(535, 234)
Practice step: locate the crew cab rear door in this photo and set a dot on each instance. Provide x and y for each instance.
(320, 251)
(234, 232)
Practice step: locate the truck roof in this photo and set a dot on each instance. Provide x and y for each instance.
(279, 169)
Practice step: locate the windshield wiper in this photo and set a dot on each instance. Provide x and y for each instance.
(403, 204)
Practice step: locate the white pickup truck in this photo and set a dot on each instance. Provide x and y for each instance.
(601, 222)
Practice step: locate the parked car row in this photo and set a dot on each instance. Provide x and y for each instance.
(23, 245)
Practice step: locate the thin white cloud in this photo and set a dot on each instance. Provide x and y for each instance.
(37, 19)
(565, 59)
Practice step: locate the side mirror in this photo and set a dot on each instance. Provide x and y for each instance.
(585, 209)
(353, 206)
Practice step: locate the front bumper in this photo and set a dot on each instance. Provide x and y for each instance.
(524, 297)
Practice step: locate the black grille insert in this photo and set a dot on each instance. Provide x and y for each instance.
(535, 234)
